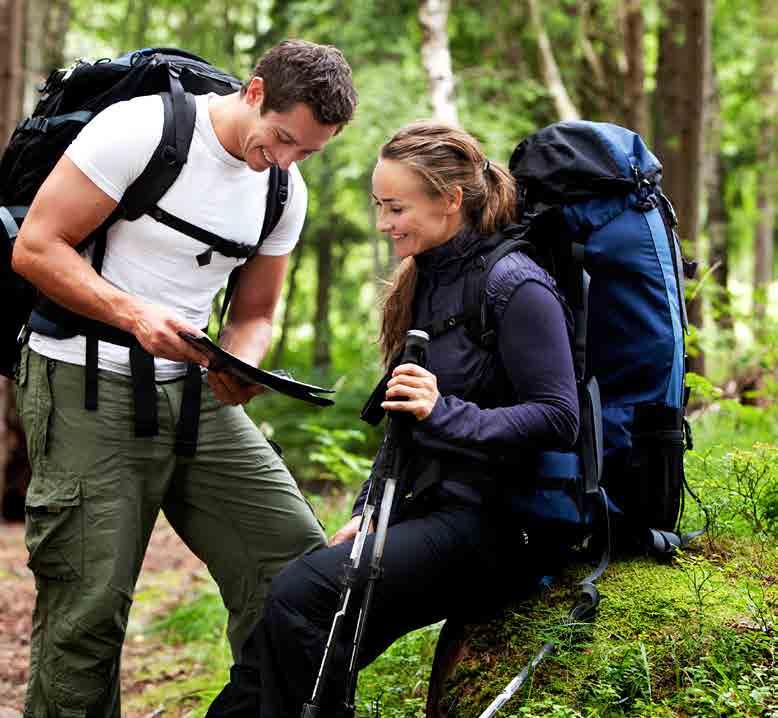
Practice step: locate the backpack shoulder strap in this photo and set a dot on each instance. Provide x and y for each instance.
(476, 310)
(277, 196)
(169, 157)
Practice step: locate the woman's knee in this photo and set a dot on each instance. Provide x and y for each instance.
(305, 589)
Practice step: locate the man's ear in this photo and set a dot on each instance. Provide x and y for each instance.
(255, 92)
(454, 200)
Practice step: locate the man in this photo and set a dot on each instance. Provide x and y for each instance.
(97, 488)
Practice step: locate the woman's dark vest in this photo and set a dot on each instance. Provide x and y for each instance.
(464, 367)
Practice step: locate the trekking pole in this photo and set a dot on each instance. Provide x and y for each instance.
(583, 611)
(385, 473)
(311, 709)
(415, 352)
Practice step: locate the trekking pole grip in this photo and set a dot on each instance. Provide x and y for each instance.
(416, 347)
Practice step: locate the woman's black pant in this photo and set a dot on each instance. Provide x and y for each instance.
(443, 559)
(437, 565)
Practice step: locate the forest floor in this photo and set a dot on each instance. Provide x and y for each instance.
(151, 665)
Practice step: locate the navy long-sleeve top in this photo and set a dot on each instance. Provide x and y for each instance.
(496, 404)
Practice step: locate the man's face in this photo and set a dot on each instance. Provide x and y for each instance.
(279, 138)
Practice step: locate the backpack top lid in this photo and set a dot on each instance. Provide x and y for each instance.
(575, 161)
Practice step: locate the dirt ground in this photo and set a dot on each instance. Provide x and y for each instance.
(170, 574)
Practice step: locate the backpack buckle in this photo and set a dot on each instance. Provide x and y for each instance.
(35, 124)
(169, 154)
(644, 189)
(488, 338)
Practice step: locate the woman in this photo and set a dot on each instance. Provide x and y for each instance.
(439, 200)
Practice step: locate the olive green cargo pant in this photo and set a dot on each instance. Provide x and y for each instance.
(95, 494)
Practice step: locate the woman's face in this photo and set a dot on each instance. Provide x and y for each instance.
(413, 220)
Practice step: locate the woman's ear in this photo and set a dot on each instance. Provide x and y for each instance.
(454, 200)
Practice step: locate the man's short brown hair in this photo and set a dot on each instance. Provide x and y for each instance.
(317, 75)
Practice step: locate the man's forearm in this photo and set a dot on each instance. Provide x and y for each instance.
(64, 276)
(249, 340)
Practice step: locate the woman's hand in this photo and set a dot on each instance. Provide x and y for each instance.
(412, 389)
(347, 532)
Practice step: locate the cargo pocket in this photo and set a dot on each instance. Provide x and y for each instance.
(20, 382)
(54, 528)
(656, 465)
(37, 405)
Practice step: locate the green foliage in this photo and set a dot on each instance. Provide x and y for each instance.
(204, 619)
(395, 685)
(332, 453)
(284, 419)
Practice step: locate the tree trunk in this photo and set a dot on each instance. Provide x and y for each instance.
(46, 25)
(435, 55)
(715, 183)
(5, 403)
(11, 89)
(683, 47)
(11, 71)
(765, 228)
(321, 324)
(286, 321)
(549, 70)
(57, 23)
(635, 100)
(141, 25)
(767, 159)
(589, 53)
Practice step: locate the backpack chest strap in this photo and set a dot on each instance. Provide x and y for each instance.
(226, 247)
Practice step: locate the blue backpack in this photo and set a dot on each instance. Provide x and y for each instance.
(592, 212)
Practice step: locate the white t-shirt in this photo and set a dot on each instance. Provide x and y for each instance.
(215, 191)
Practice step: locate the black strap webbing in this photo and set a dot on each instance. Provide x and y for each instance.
(475, 312)
(227, 247)
(590, 443)
(188, 426)
(92, 348)
(43, 124)
(168, 158)
(144, 391)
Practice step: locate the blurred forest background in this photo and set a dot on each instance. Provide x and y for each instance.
(699, 80)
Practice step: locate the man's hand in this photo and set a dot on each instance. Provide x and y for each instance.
(412, 389)
(348, 531)
(229, 390)
(156, 329)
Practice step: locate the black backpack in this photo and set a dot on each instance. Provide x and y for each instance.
(70, 99)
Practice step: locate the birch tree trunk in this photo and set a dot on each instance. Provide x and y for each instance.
(680, 111)
(549, 70)
(767, 157)
(435, 55)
